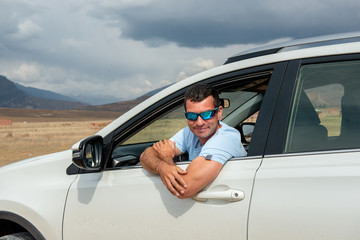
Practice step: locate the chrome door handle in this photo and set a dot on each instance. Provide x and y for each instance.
(230, 195)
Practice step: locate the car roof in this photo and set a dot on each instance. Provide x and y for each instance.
(296, 44)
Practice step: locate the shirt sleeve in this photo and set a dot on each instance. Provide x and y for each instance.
(223, 145)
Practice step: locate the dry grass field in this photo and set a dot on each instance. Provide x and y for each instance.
(38, 132)
(30, 139)
(43, 132)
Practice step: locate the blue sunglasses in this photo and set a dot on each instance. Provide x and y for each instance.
(204, 115)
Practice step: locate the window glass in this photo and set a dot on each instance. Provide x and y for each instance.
(326, 107)
(327, 103)
(163, 128)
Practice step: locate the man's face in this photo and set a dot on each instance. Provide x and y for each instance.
(204, 129)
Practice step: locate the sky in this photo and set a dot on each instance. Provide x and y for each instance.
(126, 48)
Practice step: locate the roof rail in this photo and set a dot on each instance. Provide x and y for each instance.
(295, 44)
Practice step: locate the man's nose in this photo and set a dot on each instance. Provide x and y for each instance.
(200, 121)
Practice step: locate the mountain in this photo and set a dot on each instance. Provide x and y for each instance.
(86, 99)
(96, 100)
(108, 100)
(13, 97)
(121, 107)
(35, 92)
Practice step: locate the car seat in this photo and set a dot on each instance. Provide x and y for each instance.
(308, 134)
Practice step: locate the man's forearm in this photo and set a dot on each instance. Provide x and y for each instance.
(151, 161)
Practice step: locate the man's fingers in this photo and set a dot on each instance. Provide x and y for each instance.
(174, 183)
(173, 186)
(179, 179)
(170, 187)
(157, 145)
(171, 177)
(172, 144)
(181, 171)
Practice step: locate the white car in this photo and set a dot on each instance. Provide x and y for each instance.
(297, 106)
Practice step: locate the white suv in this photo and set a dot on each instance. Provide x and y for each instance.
(297, 106)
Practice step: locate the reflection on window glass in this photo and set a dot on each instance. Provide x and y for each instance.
(163, 128)
(325, 107)
(327, 103)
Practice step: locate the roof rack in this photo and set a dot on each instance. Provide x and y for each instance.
(295, 44)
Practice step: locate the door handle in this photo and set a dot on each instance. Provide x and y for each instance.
(230, 195)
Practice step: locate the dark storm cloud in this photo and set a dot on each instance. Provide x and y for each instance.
(100, 46)
(217, 24)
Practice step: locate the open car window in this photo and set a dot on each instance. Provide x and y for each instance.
(245, 99)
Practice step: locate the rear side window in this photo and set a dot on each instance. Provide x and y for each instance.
(325, 112)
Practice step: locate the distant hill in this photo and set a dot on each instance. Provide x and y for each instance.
(121, 107)
(13, 97)
(35, 92)
(96, 100)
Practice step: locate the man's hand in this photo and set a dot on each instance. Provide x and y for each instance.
(165, 149)
(159, 159)
(171, 176)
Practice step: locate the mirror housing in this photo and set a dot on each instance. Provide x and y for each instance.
(246, 131)
(225, 103)
(90, 153)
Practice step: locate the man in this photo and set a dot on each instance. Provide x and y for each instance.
(209, 143)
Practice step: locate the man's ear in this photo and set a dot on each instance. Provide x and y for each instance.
(219, 112)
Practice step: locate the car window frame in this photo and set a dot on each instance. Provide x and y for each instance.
(280, 123)
(164, 105)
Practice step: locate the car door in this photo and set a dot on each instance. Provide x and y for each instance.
(308, 184)
(124, 201)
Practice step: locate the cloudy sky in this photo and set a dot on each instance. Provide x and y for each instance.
(125, 48)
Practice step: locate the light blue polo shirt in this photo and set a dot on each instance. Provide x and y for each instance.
(225, 144)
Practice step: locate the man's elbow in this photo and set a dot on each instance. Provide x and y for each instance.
(188, 193)
(144, 157)
(141, 158)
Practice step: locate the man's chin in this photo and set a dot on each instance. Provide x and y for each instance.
(203, 135)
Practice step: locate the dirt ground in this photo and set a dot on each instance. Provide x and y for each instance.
(34, 137)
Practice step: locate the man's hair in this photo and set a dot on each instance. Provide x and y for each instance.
(201, 91)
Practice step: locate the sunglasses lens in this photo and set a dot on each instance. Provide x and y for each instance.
(204, 115)
(207, 115)
(191, 116)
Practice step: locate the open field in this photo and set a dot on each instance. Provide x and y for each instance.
(30, 139)
(38, 132)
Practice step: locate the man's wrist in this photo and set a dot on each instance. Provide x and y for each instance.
(159, 165)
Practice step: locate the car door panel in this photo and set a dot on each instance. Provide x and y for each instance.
(307, 189)
(306, 197)
(134, 204)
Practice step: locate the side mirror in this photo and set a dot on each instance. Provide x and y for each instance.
(89, 155)
(246, 131)
(225, 103)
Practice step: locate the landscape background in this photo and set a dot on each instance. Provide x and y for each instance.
(44, 122)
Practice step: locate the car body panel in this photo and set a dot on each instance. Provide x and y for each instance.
(36, 190)
(135, 204)
(307, 196)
